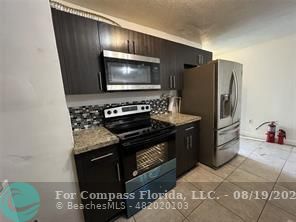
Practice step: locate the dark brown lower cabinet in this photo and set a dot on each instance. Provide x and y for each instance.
(99, 173)
(187, 142)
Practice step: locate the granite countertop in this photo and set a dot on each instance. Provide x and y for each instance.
(177, 118)
(91, 139)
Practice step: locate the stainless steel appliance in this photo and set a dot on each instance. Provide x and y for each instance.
(147, 152)
(213, 91)
(125, 71)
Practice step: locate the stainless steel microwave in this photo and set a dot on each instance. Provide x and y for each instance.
(125, 71)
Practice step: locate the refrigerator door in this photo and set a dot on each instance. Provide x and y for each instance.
(236, 110)
(226, 152)
(228, 93)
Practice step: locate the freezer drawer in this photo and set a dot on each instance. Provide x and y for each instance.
(227, 134)
(226, 152)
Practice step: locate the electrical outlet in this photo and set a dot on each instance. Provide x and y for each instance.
(250, 121)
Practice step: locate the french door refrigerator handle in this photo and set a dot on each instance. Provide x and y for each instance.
(236, 93)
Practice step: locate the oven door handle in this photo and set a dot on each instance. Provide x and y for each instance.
(150, 140)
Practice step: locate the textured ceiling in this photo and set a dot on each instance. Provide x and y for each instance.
(201, 21)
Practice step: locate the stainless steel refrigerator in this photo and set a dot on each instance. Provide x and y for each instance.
(213, 91)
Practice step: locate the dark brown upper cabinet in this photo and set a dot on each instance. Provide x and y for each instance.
(114, 38)
(80, 42)
(78, 47)
(118, 39)
(171, 66)
(191, 57)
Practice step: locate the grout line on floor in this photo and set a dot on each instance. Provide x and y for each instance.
(224, 179)
(229, 210)
(274, 186)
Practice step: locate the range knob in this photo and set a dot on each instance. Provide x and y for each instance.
(109, 112)
(115, 111)
(147, 107)
(142, 107)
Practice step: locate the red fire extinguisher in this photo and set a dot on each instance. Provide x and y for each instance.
(271, 130)
(281, 136)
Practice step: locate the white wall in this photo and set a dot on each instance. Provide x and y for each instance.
(269, 85)
(36, 137)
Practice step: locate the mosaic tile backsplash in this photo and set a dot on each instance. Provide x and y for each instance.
(84, 117)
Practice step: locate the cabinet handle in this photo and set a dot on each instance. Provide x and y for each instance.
(171, 82)
(174, 82)
(190, 141)
(118, 172)
(128, 46)
(200, 59)
(134, 48)
(101, 157)
(100, 79)
(189, 128)
(187, 142)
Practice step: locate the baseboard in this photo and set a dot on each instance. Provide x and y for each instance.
(253, 136)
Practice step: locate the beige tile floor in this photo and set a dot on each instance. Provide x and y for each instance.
(259, 167)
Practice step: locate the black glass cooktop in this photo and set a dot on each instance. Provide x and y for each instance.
(136, 127)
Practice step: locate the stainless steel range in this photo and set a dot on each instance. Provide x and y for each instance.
(147, 151)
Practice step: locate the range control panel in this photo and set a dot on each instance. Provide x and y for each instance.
(126, 110)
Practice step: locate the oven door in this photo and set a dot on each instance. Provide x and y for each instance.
(131, 72)
(143, 155)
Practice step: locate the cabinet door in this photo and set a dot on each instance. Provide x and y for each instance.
(187, 147)
(203, 57)
(208, 56)
(142, 44)
(114, 38)
(187, 56)
(191, 144)
(153, 46)
(57, 24)
(137, 43)
(169, 77)
(164, 74)
(99, 172)
(78, 48)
